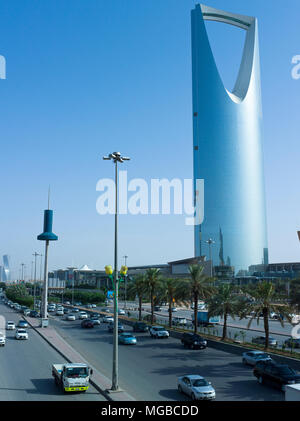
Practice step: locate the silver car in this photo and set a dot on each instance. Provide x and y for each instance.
(196, 387)
(2, 339)
(251, 357)
(261, 340)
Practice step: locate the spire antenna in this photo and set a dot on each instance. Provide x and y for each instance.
(49, 197)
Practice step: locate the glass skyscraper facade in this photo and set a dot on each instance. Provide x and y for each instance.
(227, 129)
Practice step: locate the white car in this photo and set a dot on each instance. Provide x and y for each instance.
(158, 332)
(196, 387)
(108, 319)
(60, 313)
(2, 339)
(10, 326)
(21, 334)
(121, 311)
(71, 317)
(83, 315)
(94, 306)
(179, 321)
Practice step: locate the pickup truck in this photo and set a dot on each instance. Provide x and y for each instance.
(72, 377)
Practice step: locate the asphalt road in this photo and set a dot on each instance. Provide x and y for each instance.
(25, 368)
(149, 370)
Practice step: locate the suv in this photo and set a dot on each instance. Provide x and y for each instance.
(278, 375)
(140, 327)
(194, 341)
(158, 332)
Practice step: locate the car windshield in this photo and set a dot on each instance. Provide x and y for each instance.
(286, 371)
(159, 329)
(260, 356)
(127, 336)
(200, 383)
(21, 331)
(77, 372)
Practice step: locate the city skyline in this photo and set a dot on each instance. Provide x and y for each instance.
(134, 96)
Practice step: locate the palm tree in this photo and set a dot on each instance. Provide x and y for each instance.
(225, 303)
(198, 287)
(153, 282)
(264, 304)
(170, 287)
(138, 288)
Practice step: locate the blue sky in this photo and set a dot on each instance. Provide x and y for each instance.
(88, 77)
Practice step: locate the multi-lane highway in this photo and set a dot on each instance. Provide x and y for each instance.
(25, 368)
(148, 370)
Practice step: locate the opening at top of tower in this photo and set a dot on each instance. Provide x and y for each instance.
(227, 44)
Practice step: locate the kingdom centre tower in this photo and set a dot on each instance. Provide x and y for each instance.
(228, 148)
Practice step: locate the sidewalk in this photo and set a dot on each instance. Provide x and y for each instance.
(99, 381)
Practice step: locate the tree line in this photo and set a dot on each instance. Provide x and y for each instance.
(226, 300)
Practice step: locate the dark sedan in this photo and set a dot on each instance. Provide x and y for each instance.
(277, 375)
(111, 328)
(261, 340)
(191, 340)
(292, 343)
(87, 324)
(140, 327)
(34, 313)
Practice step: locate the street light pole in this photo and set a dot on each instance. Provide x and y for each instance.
(116, 157)
(41, 264)
(22, 265)
(210, 242)
(125, 259)
(47, 235)
(34, 287)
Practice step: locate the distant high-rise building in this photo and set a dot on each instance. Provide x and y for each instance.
(6, 269)
(228, 147)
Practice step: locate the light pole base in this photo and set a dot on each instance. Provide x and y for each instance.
(114, 391)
